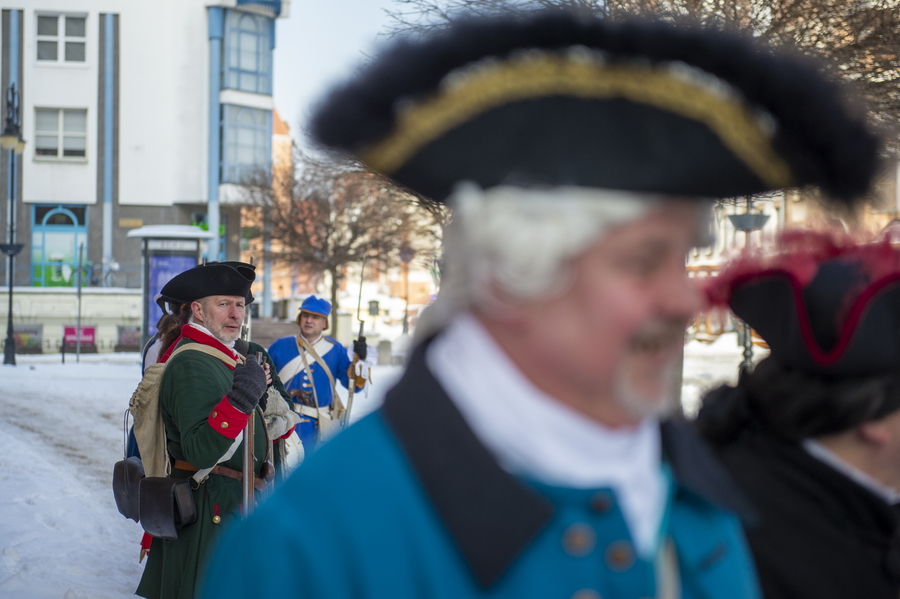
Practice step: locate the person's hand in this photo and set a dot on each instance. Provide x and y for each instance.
(361, 371)
(360, 348)
(249, 385)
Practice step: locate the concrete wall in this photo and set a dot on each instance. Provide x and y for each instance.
(53, 309)
(164, 100)
(163, 104)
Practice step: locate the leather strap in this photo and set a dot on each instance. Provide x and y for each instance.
(206, 349)
(304, 344)
(260, 484)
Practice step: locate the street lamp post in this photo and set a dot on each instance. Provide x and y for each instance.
(406, 256)
(747, 222)
(11, 141)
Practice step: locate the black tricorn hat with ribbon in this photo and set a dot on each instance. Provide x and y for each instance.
(825, 305)
(558, 99)
(213, 278)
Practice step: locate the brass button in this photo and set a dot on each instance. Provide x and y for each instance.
(586, 594)
(215, 414)
(579, 539)
(619, 555)
(601, 502)
(224, 425)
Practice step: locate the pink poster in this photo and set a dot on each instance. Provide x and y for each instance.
(87, 335)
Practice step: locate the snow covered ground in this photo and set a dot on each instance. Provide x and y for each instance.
(60, 434)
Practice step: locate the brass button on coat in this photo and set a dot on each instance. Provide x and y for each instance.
(579, 539)
(619, 555)
(224, 425)
(586, 594)
(215, 414)
(601, 502)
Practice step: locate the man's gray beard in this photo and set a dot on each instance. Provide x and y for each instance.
(643, 406)
(220, 337)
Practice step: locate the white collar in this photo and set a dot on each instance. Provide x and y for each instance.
(537, 437)
(203, 329)
(311, 343)
(823, 454)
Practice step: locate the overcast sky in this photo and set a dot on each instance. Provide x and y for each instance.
(320, 44)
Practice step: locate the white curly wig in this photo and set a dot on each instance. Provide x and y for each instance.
(519, 243)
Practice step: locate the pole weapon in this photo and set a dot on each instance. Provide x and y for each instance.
(351, 372)
(248, 480)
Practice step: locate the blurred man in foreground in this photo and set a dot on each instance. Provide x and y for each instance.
(522, 453)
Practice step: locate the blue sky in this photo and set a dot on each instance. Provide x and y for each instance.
(320, 44)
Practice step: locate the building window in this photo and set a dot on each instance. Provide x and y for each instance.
(56, 234)
(61, 38)
(60, 132)
(248, 53)
(246, 142)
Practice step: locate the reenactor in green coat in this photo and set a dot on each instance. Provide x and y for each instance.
(206, 401)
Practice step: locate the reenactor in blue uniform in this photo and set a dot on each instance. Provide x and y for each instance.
(311, 364)
(525, 452)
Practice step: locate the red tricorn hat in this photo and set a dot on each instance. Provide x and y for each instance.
(825, 304)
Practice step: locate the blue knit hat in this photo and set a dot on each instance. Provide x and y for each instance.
(315, 305)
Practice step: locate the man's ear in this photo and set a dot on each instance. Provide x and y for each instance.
(197, 311)
(876, 431)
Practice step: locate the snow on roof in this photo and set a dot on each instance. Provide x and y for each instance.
(171, 232)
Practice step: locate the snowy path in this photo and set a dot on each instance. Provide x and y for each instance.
(60, 434)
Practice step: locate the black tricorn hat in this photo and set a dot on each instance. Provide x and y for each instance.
(213, 278)
(248, 270)
(557, 99)
(825, 306)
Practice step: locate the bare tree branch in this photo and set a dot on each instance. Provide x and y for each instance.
(858, 40)
(324, 216)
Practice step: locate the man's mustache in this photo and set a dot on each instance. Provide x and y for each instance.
(658, 334)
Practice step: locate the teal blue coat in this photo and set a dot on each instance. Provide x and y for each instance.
(407, 503)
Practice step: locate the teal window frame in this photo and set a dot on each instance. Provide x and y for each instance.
(246, 142)
(248, 44)
(47, 272)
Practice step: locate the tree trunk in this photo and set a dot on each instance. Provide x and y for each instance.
(335, 284)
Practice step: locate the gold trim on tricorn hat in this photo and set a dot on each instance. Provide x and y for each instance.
(539, 74)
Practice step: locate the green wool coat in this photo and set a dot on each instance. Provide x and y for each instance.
(192, 385)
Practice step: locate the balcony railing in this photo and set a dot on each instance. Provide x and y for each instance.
(271, 7)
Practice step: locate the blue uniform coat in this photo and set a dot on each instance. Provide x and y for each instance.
(408, 503)
(335, 357)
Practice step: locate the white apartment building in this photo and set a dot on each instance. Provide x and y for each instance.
(134, 113)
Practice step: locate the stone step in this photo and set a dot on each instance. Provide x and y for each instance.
(264, 332)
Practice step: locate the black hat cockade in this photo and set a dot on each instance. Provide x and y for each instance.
(826, 305)
(555, 99)
(213, 278)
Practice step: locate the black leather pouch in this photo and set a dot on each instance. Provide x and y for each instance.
(127, 476)
(166, 505)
